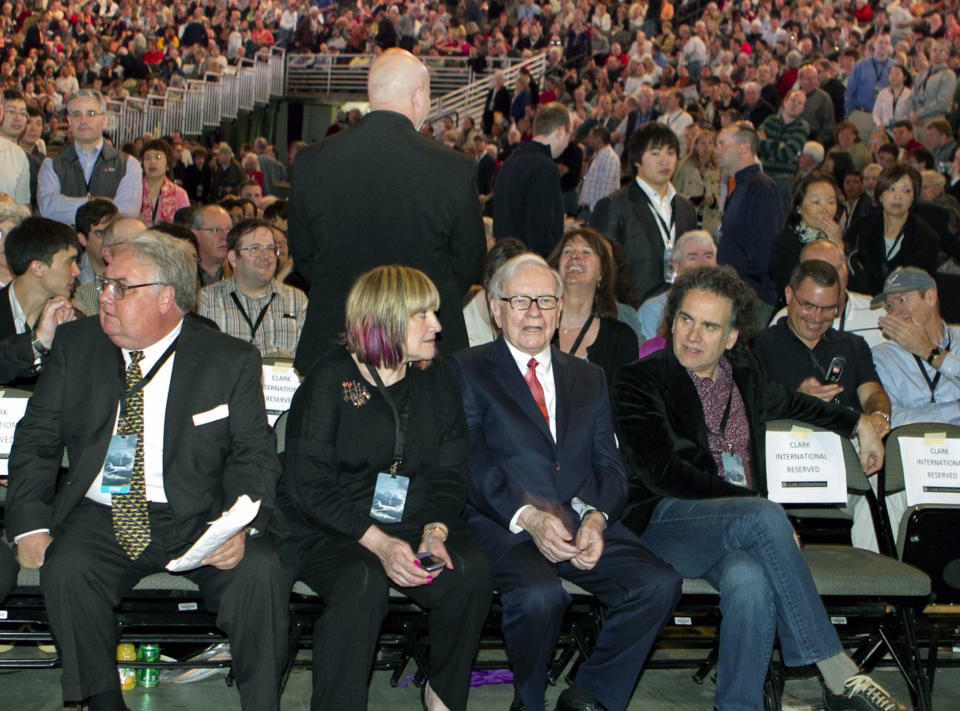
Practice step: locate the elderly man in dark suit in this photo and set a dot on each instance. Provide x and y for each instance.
(547, 489)
(182, 404)
(380, 193)
(648, 215)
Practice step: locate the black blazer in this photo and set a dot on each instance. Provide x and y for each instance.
(205, 467)
(866, 251)
(380, 193)
(626, 216)
(527, 198)
(16, 353)
(337, 443)
(500, 102)
(513, 459)
(663, 435)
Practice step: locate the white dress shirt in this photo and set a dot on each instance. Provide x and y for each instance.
(544, 372)
(154, 413)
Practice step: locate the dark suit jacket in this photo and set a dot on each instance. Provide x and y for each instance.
(205, 467)
(513, 458)
(663, 435)
(501, 103)
(380, 193)
(16, 353)
(527, 199)
(635, 120)
(866, 248)
(486, 170)
(759, 112)
(627, 217)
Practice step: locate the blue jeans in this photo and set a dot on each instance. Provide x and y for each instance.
(744, 547)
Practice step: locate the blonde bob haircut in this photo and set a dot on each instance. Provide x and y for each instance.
(379, 305)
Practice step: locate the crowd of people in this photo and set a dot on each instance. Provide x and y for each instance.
(724, 200)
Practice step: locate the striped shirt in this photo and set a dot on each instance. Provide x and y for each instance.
(602, 178)
(777, 159)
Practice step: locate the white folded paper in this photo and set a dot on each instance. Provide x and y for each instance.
(218, 533)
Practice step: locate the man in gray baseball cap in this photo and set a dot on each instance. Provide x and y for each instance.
(919, 364)
(900, 281)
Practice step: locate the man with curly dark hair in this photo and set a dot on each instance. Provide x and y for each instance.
(690, 421)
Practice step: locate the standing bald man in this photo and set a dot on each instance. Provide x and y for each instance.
(380, 193)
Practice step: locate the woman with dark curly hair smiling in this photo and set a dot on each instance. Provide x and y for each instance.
(588, 325)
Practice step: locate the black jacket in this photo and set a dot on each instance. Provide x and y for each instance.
(627, 217)
(527, 202)
(867, 251)
(380, 193)
(206, 464)
(663, 435)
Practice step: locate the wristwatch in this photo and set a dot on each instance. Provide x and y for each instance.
(933, 354)
(41, 350)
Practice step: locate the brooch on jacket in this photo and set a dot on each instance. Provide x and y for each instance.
(355, 393)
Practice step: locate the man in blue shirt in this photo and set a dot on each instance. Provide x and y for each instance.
(866, 80)
(918, 365)
(752, 216)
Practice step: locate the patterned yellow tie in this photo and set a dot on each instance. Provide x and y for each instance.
(131, 520)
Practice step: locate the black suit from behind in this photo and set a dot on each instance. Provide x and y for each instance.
(380, 193)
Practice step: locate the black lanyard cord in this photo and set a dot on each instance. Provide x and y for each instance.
(399, 419)
(142, 383)
(581, 335)
(254, 327)
(932, 384)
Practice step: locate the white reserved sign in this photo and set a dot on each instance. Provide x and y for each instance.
(280, 382)
(931, 469)
(806, 467)
(11, 412)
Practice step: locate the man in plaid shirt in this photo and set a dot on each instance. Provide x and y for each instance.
(603, 173)
(251, 305)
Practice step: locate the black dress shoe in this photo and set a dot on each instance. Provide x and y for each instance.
(517, 704)
(573, 698)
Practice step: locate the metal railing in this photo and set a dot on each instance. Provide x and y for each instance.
(469, 100)
(202, 104)
(317, 74)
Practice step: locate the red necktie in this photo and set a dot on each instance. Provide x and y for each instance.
(731, 185)
(536, 389)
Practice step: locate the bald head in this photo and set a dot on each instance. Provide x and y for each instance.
(832, 254)
(120, 230)
(399, 82)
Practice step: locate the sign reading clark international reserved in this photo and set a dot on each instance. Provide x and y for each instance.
(805, 467)
(12, 408)
(931, 469)
(280, 382)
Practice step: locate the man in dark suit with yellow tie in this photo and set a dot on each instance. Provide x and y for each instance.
(174, 409)
(547, 487)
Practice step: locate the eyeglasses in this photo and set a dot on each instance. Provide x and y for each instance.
(89, 113)
(118, 289)
(809, 308)
(547, 302)
(222, 230)
(257, 249)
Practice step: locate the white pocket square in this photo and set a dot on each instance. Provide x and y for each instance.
(218, 413)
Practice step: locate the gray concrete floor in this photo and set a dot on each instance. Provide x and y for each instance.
(658, 689)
